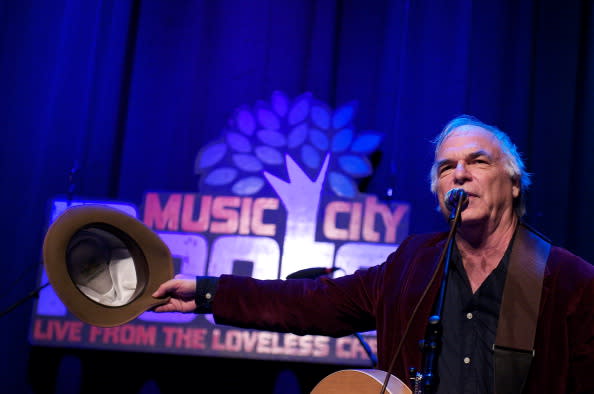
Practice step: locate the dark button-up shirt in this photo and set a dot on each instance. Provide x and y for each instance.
(465, 364)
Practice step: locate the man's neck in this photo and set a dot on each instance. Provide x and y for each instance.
(482, 249)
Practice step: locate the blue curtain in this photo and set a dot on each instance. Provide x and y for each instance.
(106, 99)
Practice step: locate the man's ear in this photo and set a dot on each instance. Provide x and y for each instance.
(516, 187)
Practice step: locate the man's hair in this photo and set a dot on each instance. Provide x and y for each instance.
(512, 161)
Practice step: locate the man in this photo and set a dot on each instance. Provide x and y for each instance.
(397, 297)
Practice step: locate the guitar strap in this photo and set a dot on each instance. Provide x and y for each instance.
(514, 341)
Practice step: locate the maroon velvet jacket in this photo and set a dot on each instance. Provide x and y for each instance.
(384, 298)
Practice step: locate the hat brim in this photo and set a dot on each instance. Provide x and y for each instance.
(151, 256)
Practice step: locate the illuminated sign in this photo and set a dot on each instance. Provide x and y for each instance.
(278, 194)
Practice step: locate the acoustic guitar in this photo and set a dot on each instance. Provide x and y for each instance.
(359, 381)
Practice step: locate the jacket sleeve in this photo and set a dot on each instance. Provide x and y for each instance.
(332, 307)
(581, 343)
(324, 306)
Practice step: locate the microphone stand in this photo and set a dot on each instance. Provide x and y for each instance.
(425, 381)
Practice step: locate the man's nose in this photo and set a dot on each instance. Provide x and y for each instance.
(461, 173)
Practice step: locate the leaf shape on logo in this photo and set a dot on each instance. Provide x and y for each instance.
(320, 116)
(300, 109)
(221, 176)
(342, 185)
(280, 103)
(310, 156)
(341, 140)
(355, 166)
(268, 119)
(269, 155)
(367, 142)
(272, 137)
(318, 139)
(298, 135)
(245, 121)
(209, 156)
(247, 162)
(238, 142)
(344, 115)
(248, 186)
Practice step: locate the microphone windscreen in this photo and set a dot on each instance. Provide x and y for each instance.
(452, 197)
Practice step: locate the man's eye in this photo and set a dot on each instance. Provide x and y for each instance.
(445, 169)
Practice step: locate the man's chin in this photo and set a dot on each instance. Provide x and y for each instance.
(470, 220)
(468, 215)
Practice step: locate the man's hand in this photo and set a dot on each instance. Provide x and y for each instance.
(182, 293)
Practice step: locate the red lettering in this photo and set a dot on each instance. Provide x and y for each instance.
(189, 338)
(127, 335)
(321, 346)
(305, 345)
(187, 219)
(216, 340)
(350, 347)
(169, 335)
(264, 342)
(124, 335)
(233, 341)
(250, 340)
(355, 222)
(258, 226)
(333, 209)
(244, 215)
(94, 332)
(217, 214)
(57, 330)
(74, 333)
(159, 218)
(390, 220)
(291, 344)
(146, 335)
(39, 332)
(276, 347)
(229, 217)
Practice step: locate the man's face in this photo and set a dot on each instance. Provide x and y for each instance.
(470, 158)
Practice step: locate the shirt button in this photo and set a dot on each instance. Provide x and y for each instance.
(469, 315)
(466, 360)
(208, 296)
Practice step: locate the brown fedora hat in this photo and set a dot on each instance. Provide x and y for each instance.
(104, 264)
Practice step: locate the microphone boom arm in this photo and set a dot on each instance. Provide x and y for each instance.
(425, 381)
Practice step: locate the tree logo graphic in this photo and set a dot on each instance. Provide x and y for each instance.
(299, 135)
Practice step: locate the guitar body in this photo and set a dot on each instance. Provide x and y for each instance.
(359, 381)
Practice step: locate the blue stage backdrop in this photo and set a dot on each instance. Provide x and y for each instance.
(271, 126)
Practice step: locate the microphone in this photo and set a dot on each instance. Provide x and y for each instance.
(311, 273)
(452, 197)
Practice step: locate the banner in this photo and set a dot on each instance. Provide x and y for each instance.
(278, 194)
